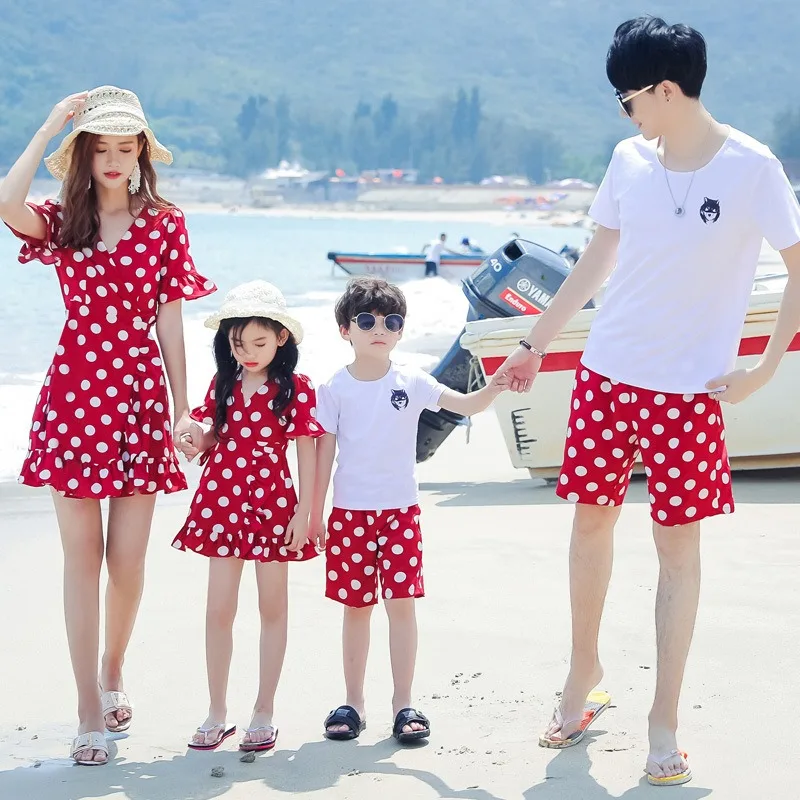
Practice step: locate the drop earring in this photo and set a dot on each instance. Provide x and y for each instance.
(135, 180)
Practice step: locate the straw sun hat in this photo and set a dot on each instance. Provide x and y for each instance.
(256, 299)
(108, 111)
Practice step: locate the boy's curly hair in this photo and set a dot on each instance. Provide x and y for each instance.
(367, 293)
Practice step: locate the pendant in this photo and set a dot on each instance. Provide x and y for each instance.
(679, 212)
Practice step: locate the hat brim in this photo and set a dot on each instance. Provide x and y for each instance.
(244, 311)
(58, 162)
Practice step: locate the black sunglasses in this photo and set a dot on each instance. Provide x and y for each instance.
(624, 99)
(366, 322)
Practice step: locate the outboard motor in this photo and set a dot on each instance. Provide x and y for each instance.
(518, 279)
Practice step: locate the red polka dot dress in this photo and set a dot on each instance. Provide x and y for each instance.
(246, 496)
(101, 427)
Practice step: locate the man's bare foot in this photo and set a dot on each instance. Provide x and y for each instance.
(412, 727)
(665, 759)
(573, 699)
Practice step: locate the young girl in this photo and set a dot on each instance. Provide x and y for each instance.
(245, 508)
(101, 428)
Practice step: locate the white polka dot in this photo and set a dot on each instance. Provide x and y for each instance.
(659, 399)
(592, 487)
(581, 471)
(343, 594)
(673, 443)
(673, 413)
(662, 515)
(397, 549)
(589, 444)
(675, 501)
(659, 458)
(617, 453)
(400, 577)
(572, 497)
(661, 487)
(622, 426)
(658, 429)
(691, 511)
(605, 386)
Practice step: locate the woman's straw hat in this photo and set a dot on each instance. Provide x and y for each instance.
(256, 299)
(108, 111)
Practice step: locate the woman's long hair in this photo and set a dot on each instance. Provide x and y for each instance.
(81, 225)
(280, 371)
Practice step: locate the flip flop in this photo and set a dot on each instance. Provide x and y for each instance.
(213, 745)
(94, 740)
(670, 780)
(113, 702)
(344, 715)
(596, 703)
(405, 717)
(260, 747)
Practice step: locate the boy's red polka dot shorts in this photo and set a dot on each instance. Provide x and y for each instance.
(680, 437)
(363, 545)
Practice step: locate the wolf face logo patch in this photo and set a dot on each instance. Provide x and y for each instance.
(709, 211)
(399, 399)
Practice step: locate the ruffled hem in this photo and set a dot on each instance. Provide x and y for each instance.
(141, 474)
(245, 547)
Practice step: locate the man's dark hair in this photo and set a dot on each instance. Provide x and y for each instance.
(374, 295)
(647, 51)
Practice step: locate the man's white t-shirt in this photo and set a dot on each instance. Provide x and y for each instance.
(375, 424)
(435, 252)
(674, 309)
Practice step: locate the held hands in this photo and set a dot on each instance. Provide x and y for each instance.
(519, 370)
(189, 441)
(297, 532)
(737, 385)
(317, 533)
(62, 113)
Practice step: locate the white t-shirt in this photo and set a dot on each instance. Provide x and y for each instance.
(435, 252)
(675, 305)
(375, 423)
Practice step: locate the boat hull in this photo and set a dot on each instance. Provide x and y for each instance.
(763, 432)
(403, 267)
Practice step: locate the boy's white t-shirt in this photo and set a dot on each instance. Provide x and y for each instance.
(434, 253)
(674, 309)
(375, 424)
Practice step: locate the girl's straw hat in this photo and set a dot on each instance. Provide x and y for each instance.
(108, 111)
(256, 299)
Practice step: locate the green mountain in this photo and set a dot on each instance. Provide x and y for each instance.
(537, 64)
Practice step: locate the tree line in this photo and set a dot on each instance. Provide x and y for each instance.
(454, 139)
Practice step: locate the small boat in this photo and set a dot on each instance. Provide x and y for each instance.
(405, 266)
(515, 284)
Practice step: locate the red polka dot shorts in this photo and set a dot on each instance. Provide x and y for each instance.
(363, 545)
(680, 438)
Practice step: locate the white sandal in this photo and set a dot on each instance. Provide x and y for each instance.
(94, 740)
(113, 702)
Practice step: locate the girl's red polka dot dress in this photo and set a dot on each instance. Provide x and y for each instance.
(102, 426)
(246, 496)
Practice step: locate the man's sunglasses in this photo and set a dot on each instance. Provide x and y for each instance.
(366, 322)
(624, 99)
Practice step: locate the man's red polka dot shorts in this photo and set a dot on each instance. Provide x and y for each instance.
(680, 437)
(363, 545)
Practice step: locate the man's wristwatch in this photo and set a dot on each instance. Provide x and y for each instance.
(531, 349)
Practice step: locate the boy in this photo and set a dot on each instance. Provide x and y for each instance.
(371, 410)
(682, 212)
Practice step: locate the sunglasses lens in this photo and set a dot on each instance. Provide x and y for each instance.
(365, 321)
(393, 323)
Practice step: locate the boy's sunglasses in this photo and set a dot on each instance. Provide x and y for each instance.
(366, 322)
(623, 99)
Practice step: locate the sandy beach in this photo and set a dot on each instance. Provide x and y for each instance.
(493, 645)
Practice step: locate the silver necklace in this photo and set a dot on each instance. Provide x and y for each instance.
(680, 210)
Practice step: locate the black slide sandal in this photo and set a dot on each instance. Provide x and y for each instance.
(344, 715)
(405, 717)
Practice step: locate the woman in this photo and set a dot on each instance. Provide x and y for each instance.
(101, 428)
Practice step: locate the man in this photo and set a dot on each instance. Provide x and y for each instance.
(682, 212)
(434, 255)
